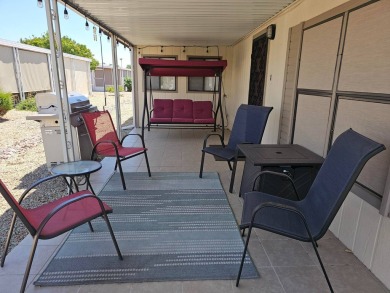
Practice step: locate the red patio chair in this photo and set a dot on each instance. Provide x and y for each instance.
(106, 142)
(54, 218)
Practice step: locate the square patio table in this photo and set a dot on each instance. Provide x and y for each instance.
(294, 160)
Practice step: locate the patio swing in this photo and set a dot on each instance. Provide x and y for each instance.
(182, 111)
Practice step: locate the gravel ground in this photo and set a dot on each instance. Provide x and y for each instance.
(22, 161)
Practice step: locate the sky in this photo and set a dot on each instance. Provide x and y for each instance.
(22, 19)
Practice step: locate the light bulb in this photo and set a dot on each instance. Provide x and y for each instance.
(66, 14)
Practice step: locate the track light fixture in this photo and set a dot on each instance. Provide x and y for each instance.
(66, 15)
(86, 24)
(40, 3)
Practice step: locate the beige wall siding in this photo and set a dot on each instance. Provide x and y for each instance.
(7, 72)
(367, 72)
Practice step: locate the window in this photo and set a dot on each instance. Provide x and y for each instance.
(161, 83)
(203, 84)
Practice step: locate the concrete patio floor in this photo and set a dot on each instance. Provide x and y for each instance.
(284, 265)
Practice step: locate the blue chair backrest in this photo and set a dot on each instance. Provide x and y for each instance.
(249, 125)
(342, 166)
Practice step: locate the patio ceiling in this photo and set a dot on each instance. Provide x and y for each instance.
(180, 22)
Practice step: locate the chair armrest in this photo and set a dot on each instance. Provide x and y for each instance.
(274, 205)
(276, 174)
(211, 134)
(66, 203)
(36, 183)
(140, 136)
(105, 142)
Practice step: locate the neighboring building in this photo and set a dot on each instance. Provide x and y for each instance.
(26, 69)
(103, 75)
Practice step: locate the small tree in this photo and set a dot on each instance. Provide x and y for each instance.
(128, 84)
(68, 46)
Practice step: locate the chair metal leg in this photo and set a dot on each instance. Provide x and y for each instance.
(314, 243)
(233, 176)
(243, 255)
(113, 237)
(147, 163)
(90, 227)
(201, 165)
(230, 165)
(121, 172)
(8, 241)
(243, 232)
(29, 263)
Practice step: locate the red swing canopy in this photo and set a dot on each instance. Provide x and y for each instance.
(160, 67)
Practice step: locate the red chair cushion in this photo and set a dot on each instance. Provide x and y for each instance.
(67, 218)
(203, 110)
(122, 151)
(162, 108)
(182, 120)
(182, 108)
(160, 120)
(204, 121)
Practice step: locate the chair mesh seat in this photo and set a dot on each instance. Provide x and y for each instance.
(68, 217)
(122, 151)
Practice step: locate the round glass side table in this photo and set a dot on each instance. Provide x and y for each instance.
(77, 168)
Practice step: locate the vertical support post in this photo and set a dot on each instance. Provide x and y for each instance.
(116, 87)
(145, 104)
(134, 91)
(59, 79)
(220, 103)
(18, 73)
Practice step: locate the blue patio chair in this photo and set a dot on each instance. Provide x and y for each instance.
(248, 127)
(309, 219)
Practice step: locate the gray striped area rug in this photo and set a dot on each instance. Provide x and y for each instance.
(171, 226)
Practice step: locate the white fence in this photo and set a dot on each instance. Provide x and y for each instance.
(25, 68)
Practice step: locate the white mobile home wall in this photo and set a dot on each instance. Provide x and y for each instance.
(296, 80)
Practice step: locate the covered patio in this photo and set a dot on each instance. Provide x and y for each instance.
(320, 79)
(284, 265)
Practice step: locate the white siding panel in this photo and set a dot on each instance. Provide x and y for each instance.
(367, 233)
(35, 71)
(381, 263)
(7, 72)
(311, 122)
(366, 59)
(319, 53)
(373, 120)
(349, 220)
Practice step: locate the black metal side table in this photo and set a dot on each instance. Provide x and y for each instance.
(77, 168)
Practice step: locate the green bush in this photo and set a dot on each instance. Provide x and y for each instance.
(110, 89)
(128, 84)
(27, 105)
(6, 103)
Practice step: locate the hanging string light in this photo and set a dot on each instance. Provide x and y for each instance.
(66, 14)
(162, 47)
(100, 31)
(40, 3)
(86, 25)
(184, 49)
(207, 49)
